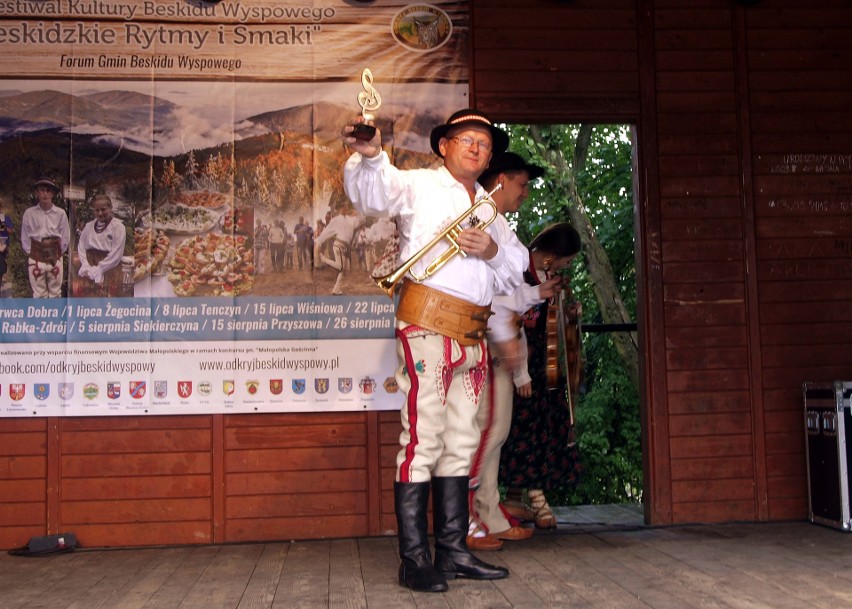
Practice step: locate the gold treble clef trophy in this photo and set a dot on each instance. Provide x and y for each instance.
(370, 101)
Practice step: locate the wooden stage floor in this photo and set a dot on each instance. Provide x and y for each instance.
(588, 563)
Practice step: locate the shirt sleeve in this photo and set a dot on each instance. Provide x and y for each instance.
(522, 374)
(64, 230)
(511, 260)
(114, 257)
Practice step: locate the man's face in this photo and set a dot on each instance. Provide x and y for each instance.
(515, 190)
(44, 195)
(466, 152)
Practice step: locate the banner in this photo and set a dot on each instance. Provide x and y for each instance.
(177, 235)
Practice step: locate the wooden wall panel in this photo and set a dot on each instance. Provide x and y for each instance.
(128, 481)
(555, 60)
(295, 472)
(802, 146)
(23, 480)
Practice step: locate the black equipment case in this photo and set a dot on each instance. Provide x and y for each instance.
(828, 425)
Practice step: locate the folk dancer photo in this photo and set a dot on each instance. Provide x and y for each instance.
(45, 234)
(100, 248)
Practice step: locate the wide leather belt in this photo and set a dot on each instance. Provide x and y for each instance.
(47, 250)
(439, 312)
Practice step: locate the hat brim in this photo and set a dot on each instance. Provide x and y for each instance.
(499, 138)
(47, 183)
(534, 171)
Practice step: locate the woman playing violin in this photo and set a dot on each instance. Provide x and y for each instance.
(540, 453)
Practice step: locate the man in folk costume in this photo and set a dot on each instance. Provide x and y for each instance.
(45, 234)
(440, 328)
(489, 524)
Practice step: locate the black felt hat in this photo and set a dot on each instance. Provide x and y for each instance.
(560, 239)
(507, 162)
(465, 118)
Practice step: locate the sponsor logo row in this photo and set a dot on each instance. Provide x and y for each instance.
(184, 389)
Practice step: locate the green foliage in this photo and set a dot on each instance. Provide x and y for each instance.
(607, 410)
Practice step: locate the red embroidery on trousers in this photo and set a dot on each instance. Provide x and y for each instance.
(485, 433)
(410, 405)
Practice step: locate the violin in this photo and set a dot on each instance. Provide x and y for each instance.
(564, 354)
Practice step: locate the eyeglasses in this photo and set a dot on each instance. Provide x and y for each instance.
(466, 142)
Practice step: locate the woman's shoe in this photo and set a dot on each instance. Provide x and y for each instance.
(544, 518)
(519, 510)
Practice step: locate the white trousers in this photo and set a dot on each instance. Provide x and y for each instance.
(442, 382)
(45, 279)
(494, 419)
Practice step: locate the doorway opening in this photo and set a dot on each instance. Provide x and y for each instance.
(589, 182)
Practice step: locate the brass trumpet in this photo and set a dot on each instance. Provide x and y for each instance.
(450, 233)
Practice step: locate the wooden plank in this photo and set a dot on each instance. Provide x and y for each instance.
(134, 423)
(295, 436)
(224, 579)
(718, 401)
(805, 333)
(135, 487)
(140, 534)
(16, 443)
(304, 581)
(701, 228)
(292, 459)
(647, 575)
(691, 359)
(85, 466)
(670, 60)
(23, 513)
(24, 491)
(299, 528)
(547, 60)
(302, 504)
(345, 580)
(339, 481)
(56, 576)
(709, 424)
(719, 510)
(138, 590)
(134, 441)
(722, 335)
(695, 18)
(712, 446)
(93, 512)
(705, 315)
(260, 590)
(577, 81)
(713, 468)
(691, 207)
(379, 567)
(556, 18)
(731, 379)
(699, 165)
(111, 589)
(179, 580)
(554, 40)
(673, 102)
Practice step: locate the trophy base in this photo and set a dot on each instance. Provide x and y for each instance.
(364, 132)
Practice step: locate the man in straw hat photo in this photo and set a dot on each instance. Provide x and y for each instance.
(44, 237)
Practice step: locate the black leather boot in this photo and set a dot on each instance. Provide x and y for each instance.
(411, 500)
(450, 509)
